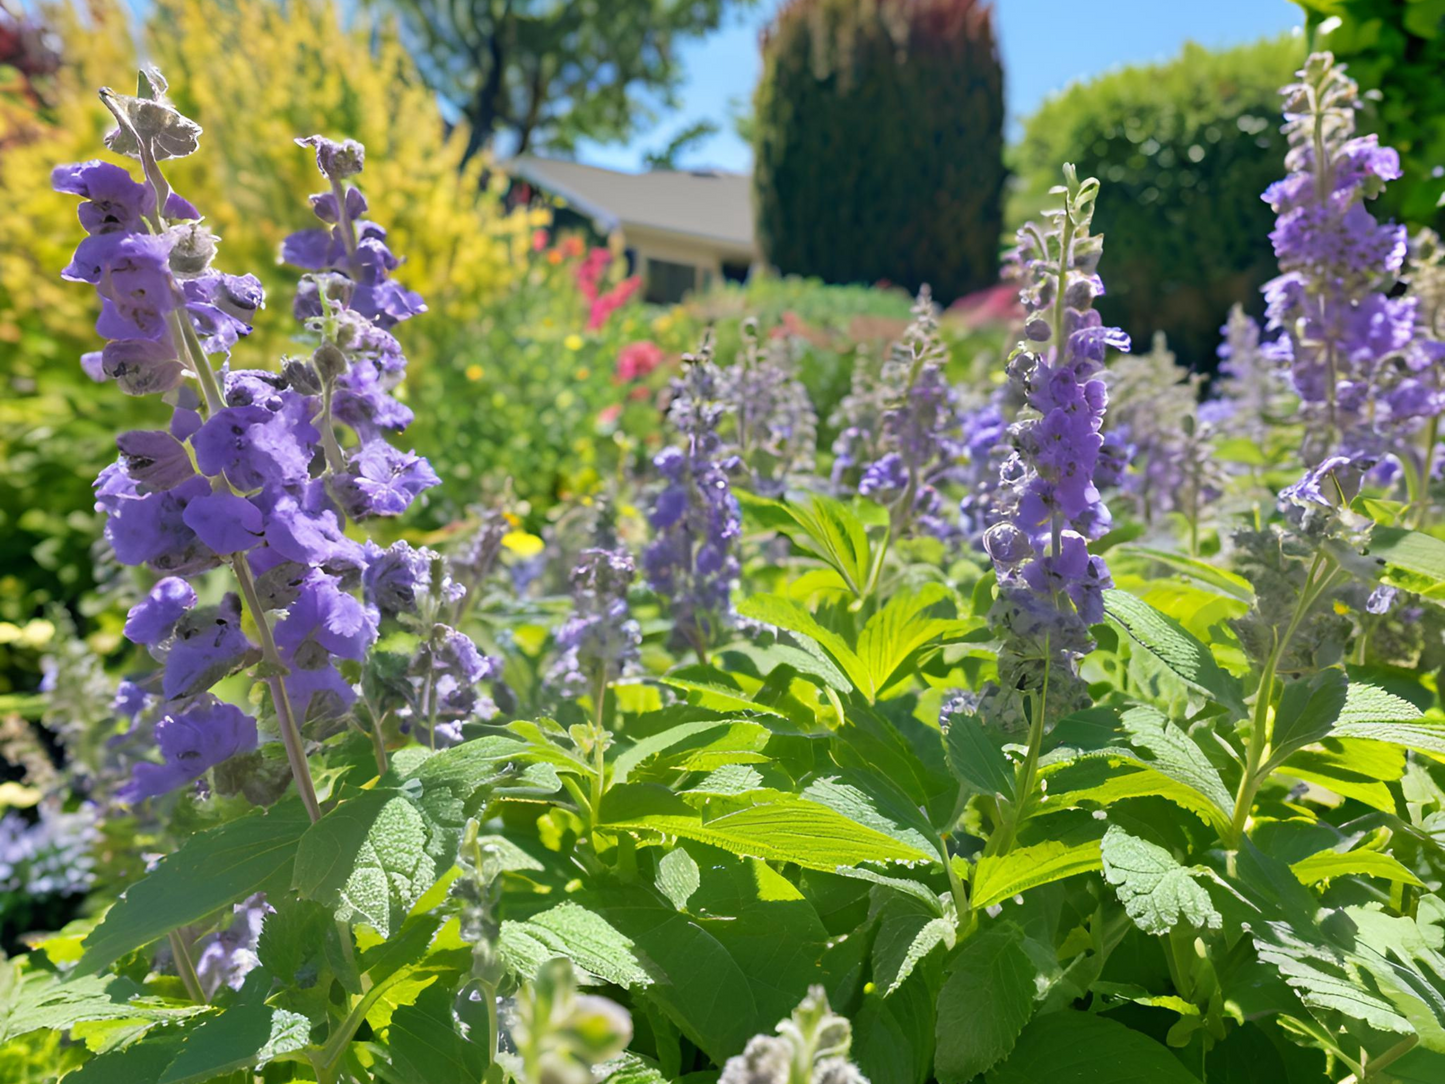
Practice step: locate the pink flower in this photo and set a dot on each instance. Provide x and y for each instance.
(608, 303)
(590, 272)
(636, 360)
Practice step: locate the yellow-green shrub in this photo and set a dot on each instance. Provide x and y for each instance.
(255, 74)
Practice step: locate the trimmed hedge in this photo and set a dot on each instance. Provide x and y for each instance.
(878, 142)
(1184, 148)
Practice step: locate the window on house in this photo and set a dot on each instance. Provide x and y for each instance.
(667, 282)
(735, 272)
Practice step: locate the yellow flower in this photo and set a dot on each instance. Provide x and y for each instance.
(583, 373)
(475, 371)
(573, 342)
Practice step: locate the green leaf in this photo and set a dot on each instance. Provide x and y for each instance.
(631, 1068)
(1156, 891)
(717, 690)
(424, 1043)
(828, 530)
(868, 799)
(976, 759)
(678, 877)
(1307, 712)
(212, 870)
(1222, 580)
(737, 964)
(582, 936)
(367, 859)
(893, 1038)
(785, 613)
(907, 932)
(698, 746)
(39, 1000)
(1330, 864)
(762, 824)
(985, 1002)
(1167, 763)
(999, 877)
(142, 1062)
(1080, 1048)
(248, 1034)
(1412, 561)
(900, 628)
(1174, 646)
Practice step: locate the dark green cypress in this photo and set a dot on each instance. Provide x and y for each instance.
(878, 141)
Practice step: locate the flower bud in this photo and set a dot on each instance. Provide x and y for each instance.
(301, 376)
(336, 160)
(330, 362)
(151, 120)
(193, 247)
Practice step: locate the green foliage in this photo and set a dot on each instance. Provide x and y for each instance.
(878, 139)
(1185, 149)
(1395, 49)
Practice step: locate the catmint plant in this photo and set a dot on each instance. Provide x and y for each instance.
(258, 470)
(918, 444)
(692, 561)
(1341, 335)
(774, 427)
(1050, 587)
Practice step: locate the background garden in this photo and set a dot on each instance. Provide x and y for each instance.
(817, 663)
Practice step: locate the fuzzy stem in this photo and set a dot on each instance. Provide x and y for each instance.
(599, 744)
(187, 969)
(1259, 736)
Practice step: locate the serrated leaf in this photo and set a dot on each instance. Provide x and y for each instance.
(39, 1000)
(582, 936)
(899, 629)
(1170, 763)
(212, 870)
(1081, 1048)
(762, 824)
(787, 614)
(367, 859)
(142, 1062)
(868, 799)
(826, 528)
(1156, 891)
(1174, 646)
(999, 877)
(1222, 580)
(984, 1005)
(248, 1034)
(678, 877)
(907, 932)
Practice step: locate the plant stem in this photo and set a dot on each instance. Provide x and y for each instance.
(271, 657)
(1024, 786)
(599, 744)
(190, 344)
(1259, 737)
(182, 955)
(1422, 508)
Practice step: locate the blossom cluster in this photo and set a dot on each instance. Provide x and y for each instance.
(692, 561)
(50, 856)
(903, 430)
(600, 638)
(259, 470)
(774, 427)
(1050, 588)
(1347, 343)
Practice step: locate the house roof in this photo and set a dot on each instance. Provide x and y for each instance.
(705, 204)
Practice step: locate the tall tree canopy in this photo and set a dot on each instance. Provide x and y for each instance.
(553, 72)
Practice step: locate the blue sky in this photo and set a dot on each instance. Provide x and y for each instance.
(1046, 45)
